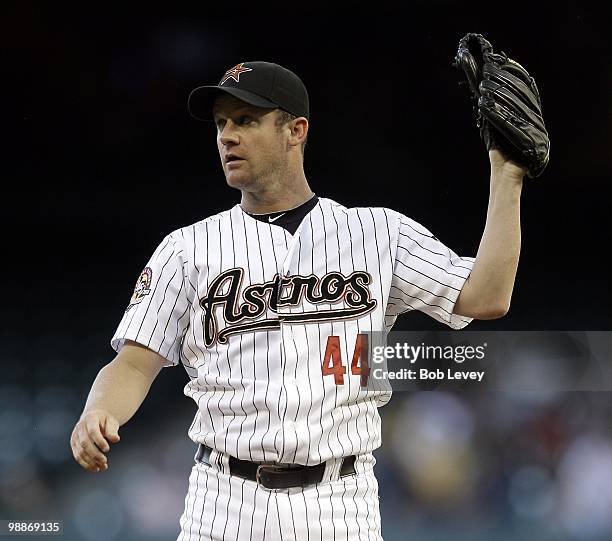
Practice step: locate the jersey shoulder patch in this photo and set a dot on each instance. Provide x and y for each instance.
(142, 288)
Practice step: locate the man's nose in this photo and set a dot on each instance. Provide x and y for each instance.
(228, 134)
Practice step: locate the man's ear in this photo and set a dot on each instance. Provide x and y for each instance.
(299, 130)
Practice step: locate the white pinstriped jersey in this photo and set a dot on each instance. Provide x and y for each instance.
(254, 313)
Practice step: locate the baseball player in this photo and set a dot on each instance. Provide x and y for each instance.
(267, 306)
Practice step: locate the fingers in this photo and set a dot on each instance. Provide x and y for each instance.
(111, 429)
(92, 424)
(83, 457)
(89, 466)
(91, 451)
(88, 442)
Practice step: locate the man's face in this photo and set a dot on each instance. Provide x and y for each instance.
(251, 134)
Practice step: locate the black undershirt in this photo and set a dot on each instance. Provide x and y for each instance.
(289, 219)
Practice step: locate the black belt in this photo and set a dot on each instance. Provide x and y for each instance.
(277, 476)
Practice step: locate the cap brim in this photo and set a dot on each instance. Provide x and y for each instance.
(202, 99)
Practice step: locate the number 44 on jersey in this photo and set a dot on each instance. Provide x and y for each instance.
(332, 360)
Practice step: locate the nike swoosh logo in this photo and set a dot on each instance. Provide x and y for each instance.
(270, 219)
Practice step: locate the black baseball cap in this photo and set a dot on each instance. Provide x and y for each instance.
(262, 84)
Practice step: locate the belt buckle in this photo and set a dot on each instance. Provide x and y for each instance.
(267, 467)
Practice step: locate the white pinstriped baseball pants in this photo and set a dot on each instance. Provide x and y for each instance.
(223, 507)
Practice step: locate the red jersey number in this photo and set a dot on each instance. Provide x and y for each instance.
(332, 360)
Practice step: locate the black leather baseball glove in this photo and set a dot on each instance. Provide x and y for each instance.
(506, 104)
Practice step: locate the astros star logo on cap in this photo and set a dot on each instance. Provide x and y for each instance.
(234, 73)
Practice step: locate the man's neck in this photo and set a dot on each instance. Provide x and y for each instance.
(275, 200)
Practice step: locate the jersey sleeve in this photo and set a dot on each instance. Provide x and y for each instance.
(427, 275)
(157, 315)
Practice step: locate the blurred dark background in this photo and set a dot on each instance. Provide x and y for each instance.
(101, 160)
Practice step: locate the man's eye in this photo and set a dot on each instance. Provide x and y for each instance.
(244, 119)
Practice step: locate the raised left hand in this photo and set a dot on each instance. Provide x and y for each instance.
(507, 106)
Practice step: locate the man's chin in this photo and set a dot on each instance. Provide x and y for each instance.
(238, 181)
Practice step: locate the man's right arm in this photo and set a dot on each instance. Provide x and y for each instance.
(116, 394)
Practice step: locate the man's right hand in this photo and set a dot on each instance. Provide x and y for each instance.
(91, 438)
